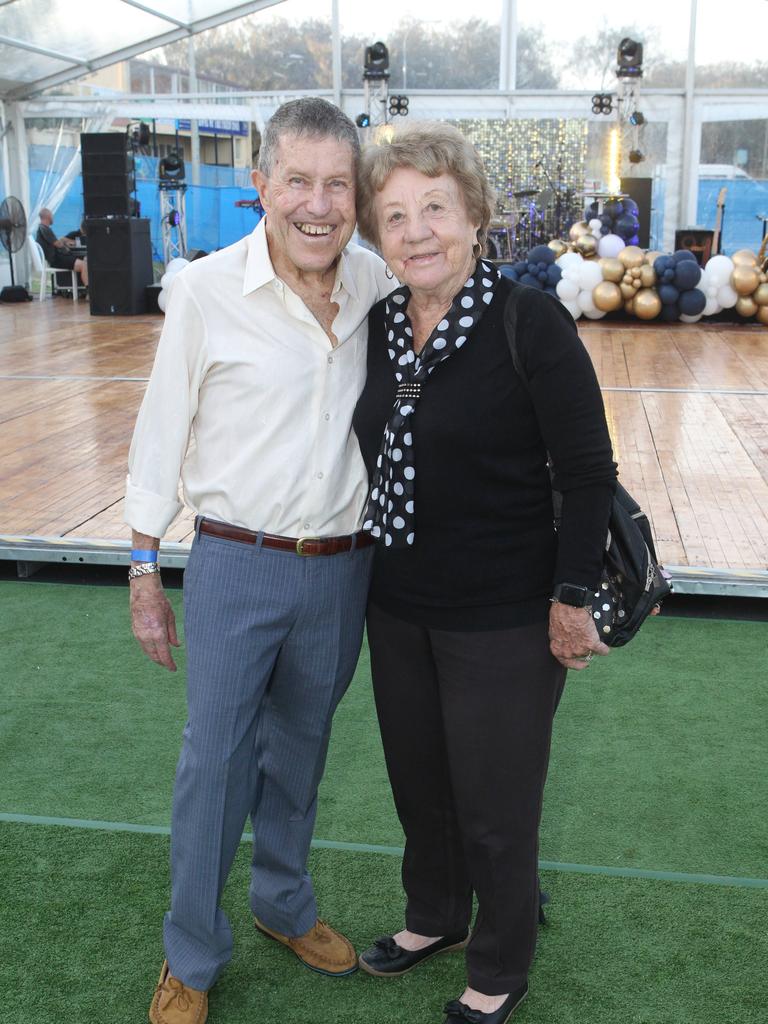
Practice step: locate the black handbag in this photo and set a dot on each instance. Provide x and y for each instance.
(632, 582)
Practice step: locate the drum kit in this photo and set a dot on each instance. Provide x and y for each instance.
(530, 217)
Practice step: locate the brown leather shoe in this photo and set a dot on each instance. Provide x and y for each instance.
(175, 1003)
(321, 948)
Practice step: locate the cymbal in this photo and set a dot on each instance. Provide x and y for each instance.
(526, 193)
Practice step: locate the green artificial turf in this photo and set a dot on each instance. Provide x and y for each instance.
(658, 756)
(80, 942)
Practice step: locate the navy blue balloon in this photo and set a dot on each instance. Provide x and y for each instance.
(554, 273)
(613, 207)
(606, 220)
(634, 240)
(692, 302)
(531, 281)
(668, 294)
(630, 206)
(521, 267)
(687, 274)
(670, 312)
(683, 256)
(507, 271)
(541, 254)
(661, 263)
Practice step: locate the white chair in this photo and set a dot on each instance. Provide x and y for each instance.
(38, 261)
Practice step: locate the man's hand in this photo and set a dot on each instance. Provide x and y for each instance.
(573, 636)
(153, 621)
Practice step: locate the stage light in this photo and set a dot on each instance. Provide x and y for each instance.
(629, 59)
(171, 168)
(362, 120)
(602, 103)
(637, 118)
(398, 105)
(613, 180)
(376, 61)
(635, 156)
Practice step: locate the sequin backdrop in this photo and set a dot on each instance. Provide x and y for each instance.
(511, 151)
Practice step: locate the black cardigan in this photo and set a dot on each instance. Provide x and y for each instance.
(486, 555)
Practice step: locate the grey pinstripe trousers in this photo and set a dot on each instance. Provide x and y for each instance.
(272, 642)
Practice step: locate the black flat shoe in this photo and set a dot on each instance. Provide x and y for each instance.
(460, 1013)
(385, 959)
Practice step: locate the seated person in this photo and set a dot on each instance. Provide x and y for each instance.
(56, 250)
(78, 237)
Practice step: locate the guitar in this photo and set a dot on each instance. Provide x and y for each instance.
(718, 235)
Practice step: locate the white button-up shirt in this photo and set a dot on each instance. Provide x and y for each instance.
(250, 405)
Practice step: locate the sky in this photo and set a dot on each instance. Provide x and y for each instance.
(736, 30)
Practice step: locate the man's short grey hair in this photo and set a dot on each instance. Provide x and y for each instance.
(307, 116)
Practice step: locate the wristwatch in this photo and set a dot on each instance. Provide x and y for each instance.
(572, 594)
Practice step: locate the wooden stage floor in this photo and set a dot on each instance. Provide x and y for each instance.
(687, 407)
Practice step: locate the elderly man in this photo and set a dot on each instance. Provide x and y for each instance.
(56, 250)
(261, 361)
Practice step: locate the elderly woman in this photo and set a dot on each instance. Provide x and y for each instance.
(477, 607)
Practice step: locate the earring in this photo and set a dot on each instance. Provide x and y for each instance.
(388, 274)
(477, 250)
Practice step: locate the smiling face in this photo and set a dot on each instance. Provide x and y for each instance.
(425, 232)
(309, 199)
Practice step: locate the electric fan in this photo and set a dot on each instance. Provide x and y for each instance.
(13, 235)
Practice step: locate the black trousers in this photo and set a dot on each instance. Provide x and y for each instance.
(466, 722)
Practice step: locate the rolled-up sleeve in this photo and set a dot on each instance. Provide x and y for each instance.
(163, 427)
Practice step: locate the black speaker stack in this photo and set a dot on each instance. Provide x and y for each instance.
(119, 245)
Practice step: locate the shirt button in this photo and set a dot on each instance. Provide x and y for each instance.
(319, 476)
(307, 526)
(330, 360)
(327, 416)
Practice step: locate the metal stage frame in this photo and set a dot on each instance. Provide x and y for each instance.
(31, 553)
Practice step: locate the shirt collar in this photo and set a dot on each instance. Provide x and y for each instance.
(259, 270)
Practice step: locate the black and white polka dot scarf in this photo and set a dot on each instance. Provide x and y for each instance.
(390, 511)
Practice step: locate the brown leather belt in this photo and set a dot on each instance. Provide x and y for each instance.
(298, 545)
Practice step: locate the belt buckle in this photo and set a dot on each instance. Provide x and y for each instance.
(300, 546)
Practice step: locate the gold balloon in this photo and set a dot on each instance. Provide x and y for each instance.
(635, 272)
(577, 230)
(744, 258)
(650, 256)
(745, 279)
(558, 247)
(587, 246)
(746, 306)
(647, 304)
(629, 306)
(632, 256)
(647, 276)
(761, 295)
(607, 296)
(613, 269)
(762, 314)
(627, 290)
(627, 278)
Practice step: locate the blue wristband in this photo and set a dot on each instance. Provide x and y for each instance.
(143, 556)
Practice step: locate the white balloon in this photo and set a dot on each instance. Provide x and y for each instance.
(585, 301)
(161, 300)
(569, 259)
(719, 269)
(712, 306)
(610, 246)
(166, 279)
(175, 265)
(573, 309)
(690, 319)
(726, 296)
(590, 274)
(567, 289)
(595, 314)
(596, 226)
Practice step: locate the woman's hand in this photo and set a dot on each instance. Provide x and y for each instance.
(573, 636)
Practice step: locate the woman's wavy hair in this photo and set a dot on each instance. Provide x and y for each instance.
(433, 148)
